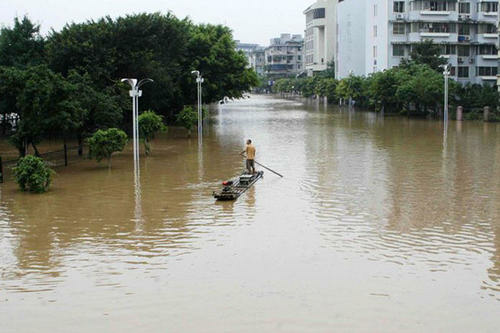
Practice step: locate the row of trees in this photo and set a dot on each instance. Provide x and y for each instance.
(416, 86)
(67, 84)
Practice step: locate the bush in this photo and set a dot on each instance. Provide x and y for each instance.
(106, 142)
(149, 125)
(32, 174)
(187, 118)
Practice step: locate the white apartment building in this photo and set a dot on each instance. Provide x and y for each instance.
(320, 42)
(465, 29)
(257, 60)
(284, 56)
(351, 40)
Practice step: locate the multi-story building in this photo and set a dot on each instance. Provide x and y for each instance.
(283, 58)
(255, 55)
(320, 42)
(257, 60)
(351, 47)
(466, 31)
(498, 46)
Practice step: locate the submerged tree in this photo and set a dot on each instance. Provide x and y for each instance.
(104, 143)
(149, 125)
(32, 174)
(187, 118)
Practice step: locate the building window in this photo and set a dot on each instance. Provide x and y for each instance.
(489, 7)
(464, 29)
(487, 29)
(399, 7)
(433, 27)
(319, 13)
(398, 29)
(375, 9)
(453, 71)
(463, 50)
(374, 31)
(463, 72)
(448, 49)
(487, 49)
(487, 71)
(398, 50)
(464, 7)
(375, 51)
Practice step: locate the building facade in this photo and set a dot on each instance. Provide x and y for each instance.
(284, 56)
(257, 60)
(320, 42)
(466, 30)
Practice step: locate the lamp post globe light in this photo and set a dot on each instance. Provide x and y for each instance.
(199, 81)
(135, 93)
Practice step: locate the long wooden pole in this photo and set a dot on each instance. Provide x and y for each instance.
(267, 168)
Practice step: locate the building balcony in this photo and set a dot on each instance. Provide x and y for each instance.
(489, 17)
(488, 38)
(488, 78)
(316, 23)
(433, 16)
(437, 37)
(486, 60)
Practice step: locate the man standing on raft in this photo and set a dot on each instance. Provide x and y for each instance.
(250, 152)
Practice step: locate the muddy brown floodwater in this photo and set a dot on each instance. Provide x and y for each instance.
(380, 225)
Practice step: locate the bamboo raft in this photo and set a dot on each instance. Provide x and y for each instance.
(232, 190)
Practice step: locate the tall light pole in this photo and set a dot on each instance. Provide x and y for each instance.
(135, 93)
(446, 73)
(199, 81)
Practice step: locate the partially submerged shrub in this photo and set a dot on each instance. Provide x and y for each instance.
(32, 174)
(106, 142)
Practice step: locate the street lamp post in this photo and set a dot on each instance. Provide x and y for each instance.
(446, 73)
(135, 93)
(199, 81)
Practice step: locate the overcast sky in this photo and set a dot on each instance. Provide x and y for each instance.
(253, 21)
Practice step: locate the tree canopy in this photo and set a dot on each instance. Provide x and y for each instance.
(69, 83)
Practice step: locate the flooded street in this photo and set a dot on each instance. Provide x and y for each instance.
(379, 225)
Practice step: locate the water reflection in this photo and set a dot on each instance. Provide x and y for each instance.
(372, 205)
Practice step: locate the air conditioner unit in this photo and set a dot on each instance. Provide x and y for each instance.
(467, 38)
(460, 60)
(400, 16)
(471, 60)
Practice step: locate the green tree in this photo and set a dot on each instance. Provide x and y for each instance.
(96, 109)
(351, 86)
(383, 87)
(21, 45)
(41, 99)
(104, 143)
(149, 125)
(161, 47)
(32, 174)
(426, 53)
(211, 50)
(187, 118)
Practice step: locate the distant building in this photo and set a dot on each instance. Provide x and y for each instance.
(257, 60)
(320, 42)
(374, 35)
(284, 57)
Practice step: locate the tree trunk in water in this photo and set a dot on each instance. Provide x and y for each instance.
(37, 153)
(80, 145)
(109, 162)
